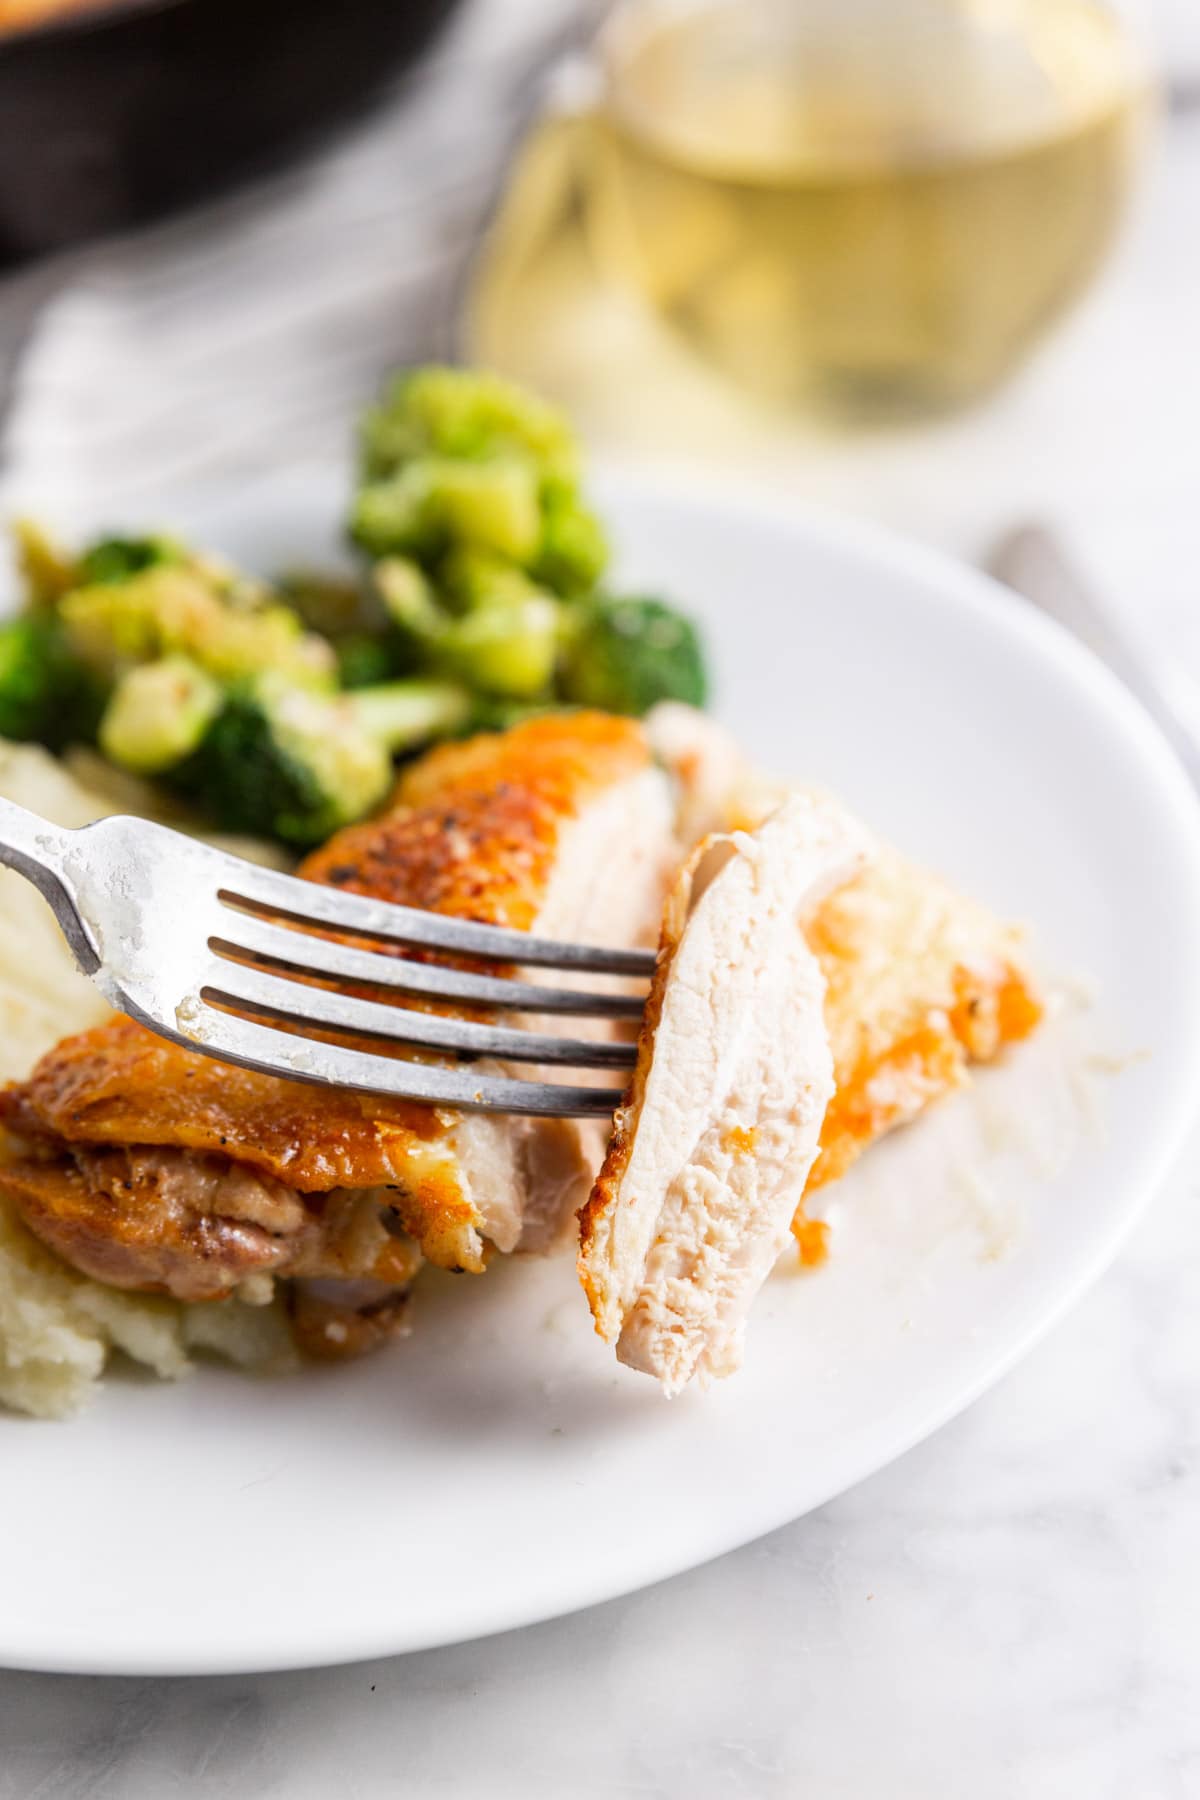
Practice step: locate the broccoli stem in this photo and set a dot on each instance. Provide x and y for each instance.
(401, 714)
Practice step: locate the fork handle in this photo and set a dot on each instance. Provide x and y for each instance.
(36, 849)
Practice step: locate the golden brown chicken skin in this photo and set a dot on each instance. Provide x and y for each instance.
(150, 1166)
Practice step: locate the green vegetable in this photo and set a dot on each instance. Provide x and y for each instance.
(504, 637)
(506, 650)
(281, 762)
(403, 714)
(157, 714)
(117, 558)
(280, 709)
(46, 695)
(435, 503)
(627, 654)
(458, 457)
(467, 414)
(573, 551)
(408, 598)
(171, 609)
(472, 579)
(363, 660)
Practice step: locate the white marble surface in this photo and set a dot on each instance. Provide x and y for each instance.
(1012, 1611)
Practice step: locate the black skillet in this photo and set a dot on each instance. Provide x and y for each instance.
(117, 112)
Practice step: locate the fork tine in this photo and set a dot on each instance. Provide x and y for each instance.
(274, 997)
(254, 1046)
(309, 903)
(286, 948)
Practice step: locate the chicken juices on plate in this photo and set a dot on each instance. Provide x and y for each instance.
(152, 1167)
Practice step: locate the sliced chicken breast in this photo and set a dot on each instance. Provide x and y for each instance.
(713, 1148)
(234, 1174)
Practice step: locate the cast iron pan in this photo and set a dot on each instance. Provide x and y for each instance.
(112, 114)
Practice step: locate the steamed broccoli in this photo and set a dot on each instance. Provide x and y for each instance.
(508, 651)
(408, 598)
(455, 457)
(573, 551)
(433, 503)
(364, 660)
(468, 414)
(117, 558)
(170, 609)
(502, 636)
(404, 714)
(279, 709)
(625, 655)
(282, 762)
(46, 695)
(157, 713)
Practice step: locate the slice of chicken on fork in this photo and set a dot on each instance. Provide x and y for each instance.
(151, 1166)
(713, 1148)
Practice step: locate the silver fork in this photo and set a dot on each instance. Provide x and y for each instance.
(215, 953)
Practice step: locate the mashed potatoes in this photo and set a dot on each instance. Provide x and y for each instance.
(58, 1328)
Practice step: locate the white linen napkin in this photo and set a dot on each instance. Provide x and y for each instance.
(252, 331)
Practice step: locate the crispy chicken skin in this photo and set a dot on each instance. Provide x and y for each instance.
(475, 828)
(152, 1166)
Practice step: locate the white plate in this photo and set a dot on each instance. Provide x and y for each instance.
(498, 1467)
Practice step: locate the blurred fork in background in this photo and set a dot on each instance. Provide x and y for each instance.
(1034, 562)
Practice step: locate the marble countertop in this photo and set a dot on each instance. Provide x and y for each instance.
(1012, 1610)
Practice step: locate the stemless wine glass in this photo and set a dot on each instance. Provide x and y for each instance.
(865, 207)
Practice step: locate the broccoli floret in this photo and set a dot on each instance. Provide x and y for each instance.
(467, 414)
(574, 551)
(173, 609)
(507, 650)
(364, 661)
(625, 655)
(416, 618)
(455, 457)
(157, 714)
(503, 639)
(408, 597)
(117, 558)
(46, 695)
(281, 762)
(434, 502)
(471, 579)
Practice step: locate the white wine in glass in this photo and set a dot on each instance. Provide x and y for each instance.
(863, 207)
